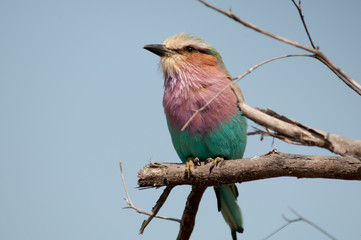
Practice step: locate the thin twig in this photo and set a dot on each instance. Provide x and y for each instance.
(131, 205)
(157, 207)
(269, 133)
(267, 61)
(234, 80)
(299, 9)
(260, 30)
(313, 225)
(298, 219)
(353, 85)
(277, 230)
(319, 55)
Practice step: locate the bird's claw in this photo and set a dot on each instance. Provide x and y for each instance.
(215, 162)
(191, 161)
(218, 161)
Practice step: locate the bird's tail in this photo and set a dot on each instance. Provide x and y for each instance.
(227, 204)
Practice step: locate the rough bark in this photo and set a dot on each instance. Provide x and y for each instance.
(190, 212)
(294, 132)
(271, 165)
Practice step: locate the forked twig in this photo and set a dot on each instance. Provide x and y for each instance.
(318, 54)
(131, 205)
(298, 219)
(230, 14)
(313, 224)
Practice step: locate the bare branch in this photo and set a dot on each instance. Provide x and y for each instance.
(260, 30)
(190, 212)
(279, 229)
(270, 165)
(157, 207)
(318, 54)
(267, 61)
(299, 9)
(294, 132)
(131, 205)
(312, 224)
(298, 219)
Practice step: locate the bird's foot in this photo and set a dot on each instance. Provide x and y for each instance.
(215, 162)
(218, 161)
(191, 161)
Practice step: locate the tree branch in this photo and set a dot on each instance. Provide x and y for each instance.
(131, 205)
(294, 132)
(190, 212)
(299, 9)
(157, 207)
(271, 165)
(299, 219)
(318, 54)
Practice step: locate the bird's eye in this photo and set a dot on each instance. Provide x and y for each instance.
(189, 49)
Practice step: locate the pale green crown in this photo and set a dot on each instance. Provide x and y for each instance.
(182, 40)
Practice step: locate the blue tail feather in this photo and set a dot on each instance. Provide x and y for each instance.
(228, 206)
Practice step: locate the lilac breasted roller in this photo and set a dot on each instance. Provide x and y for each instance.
(193, 73)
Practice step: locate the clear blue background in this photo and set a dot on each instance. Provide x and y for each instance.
(78, 93)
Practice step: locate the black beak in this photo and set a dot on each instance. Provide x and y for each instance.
(158, 49)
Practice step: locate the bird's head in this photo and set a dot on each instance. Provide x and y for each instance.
(184, 52)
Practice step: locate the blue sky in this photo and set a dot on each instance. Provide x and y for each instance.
(78, 93)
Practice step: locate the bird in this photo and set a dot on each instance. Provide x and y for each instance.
(194, 72)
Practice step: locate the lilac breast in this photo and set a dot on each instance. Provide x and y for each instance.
(191, 91)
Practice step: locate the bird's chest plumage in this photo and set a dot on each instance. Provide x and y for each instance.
(181, 101)
(218, 130)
